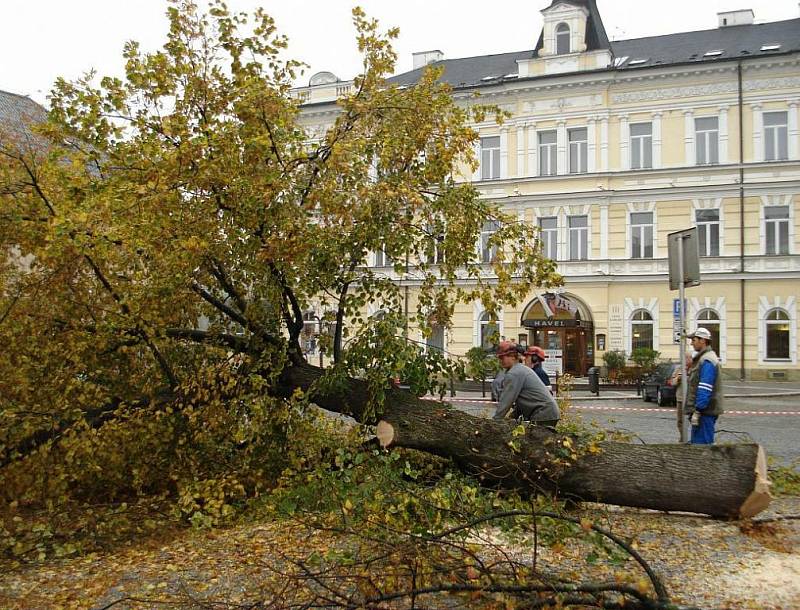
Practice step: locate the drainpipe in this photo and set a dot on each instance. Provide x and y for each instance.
(741, 222)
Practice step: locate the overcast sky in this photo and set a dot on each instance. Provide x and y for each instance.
(43, 39)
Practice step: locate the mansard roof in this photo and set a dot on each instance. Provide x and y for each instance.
(735, 42)
(596, 37)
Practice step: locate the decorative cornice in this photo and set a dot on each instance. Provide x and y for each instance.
(706, 90)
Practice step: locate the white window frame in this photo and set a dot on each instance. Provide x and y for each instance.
(548, 152)
(483, 320)
(707, 137)
(643, 232)
(704, 229)
(488, 254)
(651, 323)
(561, 32)
(581, 148)
(579, 234)
(640, 143)
(490, 158)
(767, 322)
(549, 238)
(779, 135)
(767, 305)
(775, 225)
(381, 260)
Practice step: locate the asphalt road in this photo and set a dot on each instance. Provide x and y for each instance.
(772, 421)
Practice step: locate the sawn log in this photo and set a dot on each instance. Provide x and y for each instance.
(718, 480)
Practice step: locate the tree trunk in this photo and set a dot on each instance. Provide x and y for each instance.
(722, 481)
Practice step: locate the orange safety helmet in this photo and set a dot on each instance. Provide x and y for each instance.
(506, 347)
(535, 350)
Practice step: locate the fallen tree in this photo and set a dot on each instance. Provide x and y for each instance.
(717, 480)
(195, 189)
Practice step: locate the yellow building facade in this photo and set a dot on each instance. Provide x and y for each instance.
(610, 147)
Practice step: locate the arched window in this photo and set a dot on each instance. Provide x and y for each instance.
(562, 39)
(777, 332)
(489, 330)
(708, 318)
(641, 329)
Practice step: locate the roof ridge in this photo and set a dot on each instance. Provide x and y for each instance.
(717, 29)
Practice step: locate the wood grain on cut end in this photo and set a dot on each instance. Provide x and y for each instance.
(385, 433)
(760, 497)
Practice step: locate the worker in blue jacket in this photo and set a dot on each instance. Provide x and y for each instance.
(704, 399)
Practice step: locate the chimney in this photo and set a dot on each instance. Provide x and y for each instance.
(740, 17)
(424, 58)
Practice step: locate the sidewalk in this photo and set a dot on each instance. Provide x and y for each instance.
(580, 391)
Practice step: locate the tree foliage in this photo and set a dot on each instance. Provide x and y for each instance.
(163, 234)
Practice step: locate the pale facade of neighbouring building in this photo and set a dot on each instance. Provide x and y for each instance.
(611, 146)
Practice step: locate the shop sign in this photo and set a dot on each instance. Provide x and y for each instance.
(554, 363)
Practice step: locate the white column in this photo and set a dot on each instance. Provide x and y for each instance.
(656, 141)
(520, 151)
(504, 152)
(793, 130)
(624, 142)
(688, 138)
(723, 134)
(604, 231)
(561, 144)
(604, 144)
(758, 130)
(591, 146)
(533, 166)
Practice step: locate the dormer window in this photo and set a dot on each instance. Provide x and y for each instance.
(562, 39)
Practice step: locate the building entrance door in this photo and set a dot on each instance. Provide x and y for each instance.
(563, 328)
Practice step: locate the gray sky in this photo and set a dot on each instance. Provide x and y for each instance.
(43, 39)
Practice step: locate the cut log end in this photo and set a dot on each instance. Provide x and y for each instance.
(385, 433)
(760, 497)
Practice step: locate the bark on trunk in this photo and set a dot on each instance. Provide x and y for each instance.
(717, 480)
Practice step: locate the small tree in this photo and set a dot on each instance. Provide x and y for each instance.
(480, 365)
(615, 361)
(645, 358)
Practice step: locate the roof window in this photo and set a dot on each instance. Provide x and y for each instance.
(618, 61)
(716, 53)
(636, 62)
(770, 47)
(490, 77)
(512, 75)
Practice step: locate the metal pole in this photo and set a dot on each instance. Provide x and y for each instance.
(682, 344)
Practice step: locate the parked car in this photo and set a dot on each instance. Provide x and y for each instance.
(658, 386)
